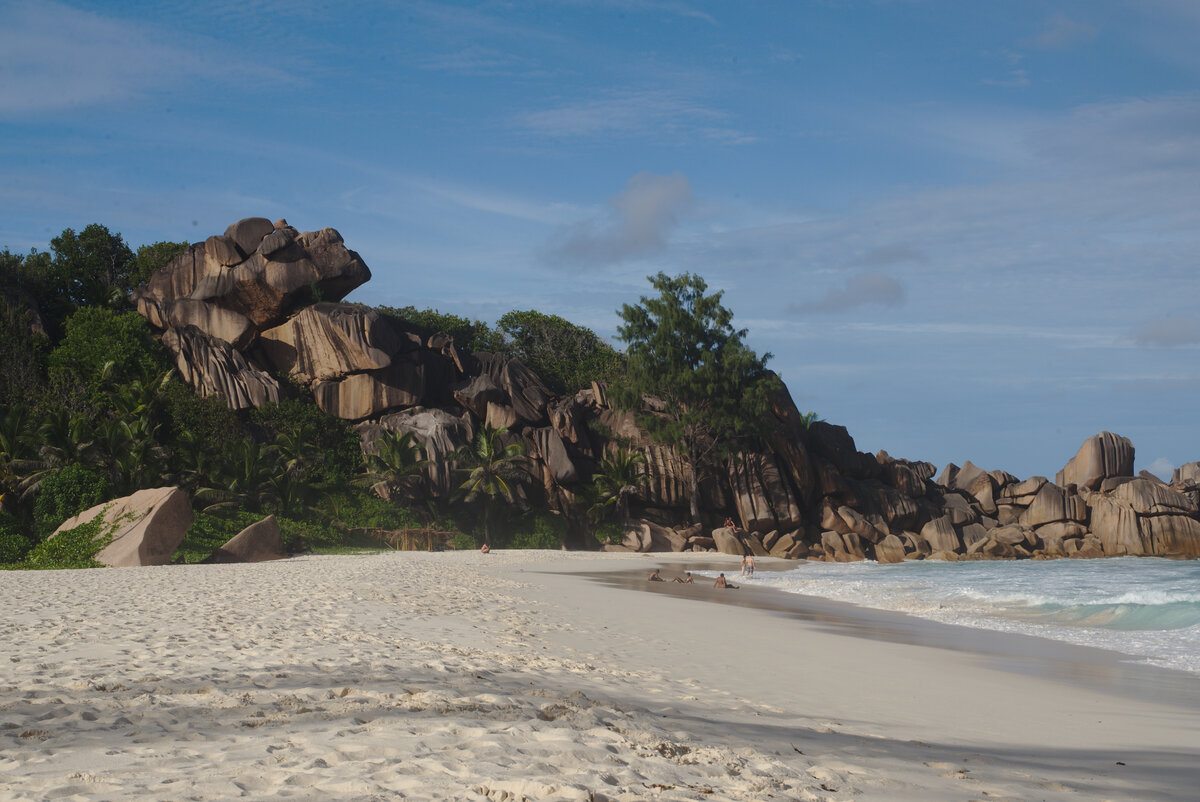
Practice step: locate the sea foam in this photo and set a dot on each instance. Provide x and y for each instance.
(1147, 608)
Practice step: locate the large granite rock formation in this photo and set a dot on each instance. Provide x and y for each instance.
(258, 270)
(1101, 457)
(145, 527)
(263, 298)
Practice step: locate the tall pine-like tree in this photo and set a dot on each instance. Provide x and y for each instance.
(684, 350)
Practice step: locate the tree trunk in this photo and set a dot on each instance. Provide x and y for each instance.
(487, 535)
(694, 496)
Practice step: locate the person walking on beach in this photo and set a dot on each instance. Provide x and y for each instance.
(723, 584)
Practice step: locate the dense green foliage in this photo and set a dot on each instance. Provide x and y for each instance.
(567, 357)
(13, 543)
(102, 347)
(683, 349)
(74, 548)
(539, 529)
(66, 492)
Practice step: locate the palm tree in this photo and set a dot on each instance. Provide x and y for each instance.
(245, 474)
(494, 470)
(397, 465)
(16, 451)
(618, 478)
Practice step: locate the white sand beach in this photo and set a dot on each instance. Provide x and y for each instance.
(506, 676)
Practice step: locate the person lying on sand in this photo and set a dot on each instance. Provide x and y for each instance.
(723, 584)
(655, 576)
(687, 581)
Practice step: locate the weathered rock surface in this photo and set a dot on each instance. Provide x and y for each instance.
(764, 500)
(258, 542)
(146, 527)
(727, 542)
(223, 324)
(214, 367)
(527, 395)
(408, 381)
(328, 341)
(889, 550)
(440, 434)
(1101, 457)
(281, 273)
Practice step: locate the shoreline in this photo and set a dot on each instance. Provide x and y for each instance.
(457, 675)
(1019, 653)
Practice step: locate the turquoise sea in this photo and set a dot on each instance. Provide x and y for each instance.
(1146, 608)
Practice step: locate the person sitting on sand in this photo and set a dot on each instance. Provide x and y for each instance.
(683, 581)
(748, 565)
(485, 549)
(655, 576)
(723, 584)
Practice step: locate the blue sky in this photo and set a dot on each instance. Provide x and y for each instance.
(965, 230)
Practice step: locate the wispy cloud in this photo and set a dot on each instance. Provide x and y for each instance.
(1168, 332)
(1059, 32)
(478, 60)
(864, 289)
(56, 57)
(631, 114)
(637, 223)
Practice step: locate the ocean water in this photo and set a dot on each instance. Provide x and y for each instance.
(1144, 607)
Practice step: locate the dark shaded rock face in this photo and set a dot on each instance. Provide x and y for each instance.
(240, 306)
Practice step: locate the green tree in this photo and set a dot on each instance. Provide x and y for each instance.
(493, 471)
(565, 356)
(684, 350)
(95, 337)
(469, 335)
(615, 481)
(395, 468)
(245, 474)
(92, 268)
(150, 258)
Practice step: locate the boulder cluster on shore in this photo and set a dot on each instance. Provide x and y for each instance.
(263, 300)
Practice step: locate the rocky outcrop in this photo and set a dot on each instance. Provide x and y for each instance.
(440, 434)
(263, 298)
(259, 270)
(214, 367)
(1143, 517)
(1101, 457)
(258, 542)
(328, 341)
(144, 528)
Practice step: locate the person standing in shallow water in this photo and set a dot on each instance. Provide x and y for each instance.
(748, 565)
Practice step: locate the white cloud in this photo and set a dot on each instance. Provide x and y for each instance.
(1162, 468)
(56, 57)
(632, 114)
(637, 223)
